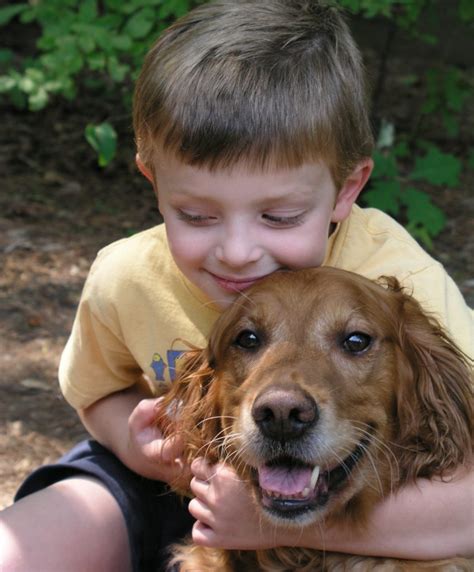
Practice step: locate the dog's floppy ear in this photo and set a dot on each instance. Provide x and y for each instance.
(434, 397)
(191, 406)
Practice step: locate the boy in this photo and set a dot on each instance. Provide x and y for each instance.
(251, 124)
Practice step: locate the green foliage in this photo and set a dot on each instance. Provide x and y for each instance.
(446, 90)
(403, 11)
(391, 189)
(437, 168)
(446, 93)
(92, 44)
(108, 39)
(466, 11)
(102, 138)
(405, 14)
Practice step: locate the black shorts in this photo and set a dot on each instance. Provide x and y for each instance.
(155, 517)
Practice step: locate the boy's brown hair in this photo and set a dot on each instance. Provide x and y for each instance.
(273, 83)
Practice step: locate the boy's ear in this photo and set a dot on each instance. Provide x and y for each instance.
(351, 189)
(143, 169)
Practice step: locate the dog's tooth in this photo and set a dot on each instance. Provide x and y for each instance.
(314, 477)
(305, 492)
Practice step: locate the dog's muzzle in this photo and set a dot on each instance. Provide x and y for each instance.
(288, 485)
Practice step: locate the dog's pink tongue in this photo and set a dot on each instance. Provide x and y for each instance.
(284, 480)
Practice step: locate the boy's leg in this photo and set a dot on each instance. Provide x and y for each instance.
(89, 506)
(74, 524)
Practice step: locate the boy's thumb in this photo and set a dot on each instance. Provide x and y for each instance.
(172, 448)
(145, 414)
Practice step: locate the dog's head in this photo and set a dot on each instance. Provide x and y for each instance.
(325, 390)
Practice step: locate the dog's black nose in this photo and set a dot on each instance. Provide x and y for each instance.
(284, 414)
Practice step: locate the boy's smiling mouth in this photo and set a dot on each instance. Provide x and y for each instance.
(231, 284)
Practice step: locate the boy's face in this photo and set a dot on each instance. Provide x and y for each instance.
(229, 228)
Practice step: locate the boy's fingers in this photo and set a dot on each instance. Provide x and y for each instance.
(144, 414)
(201, 469)
(172, 448)
(200, 511)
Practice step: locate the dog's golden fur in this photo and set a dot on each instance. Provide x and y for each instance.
(307, 367)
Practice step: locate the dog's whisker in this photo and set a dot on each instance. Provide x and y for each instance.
(387, 453)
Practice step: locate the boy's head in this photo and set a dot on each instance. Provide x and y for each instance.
(270, 84)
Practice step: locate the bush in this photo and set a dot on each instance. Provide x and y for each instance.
(89, 44)
(82, 40)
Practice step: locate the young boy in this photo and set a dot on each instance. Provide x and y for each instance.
(251, 124)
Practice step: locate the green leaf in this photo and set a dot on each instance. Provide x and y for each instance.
(88, 10)
(117, 71)
(455, 90)
(27, 85)
(38, 100)
(115, 5)
(385, 165)
(384, 195)
(103, 139)
(7, 83)
(177, 8)
(96, 61)
(466, 10)
(437, 168)
(421, 212)
(401, 149)
(6, 56)
(141, 23)
(9, 12)
(421, 234)
(122, 43)
(86, 43)
(451, 124)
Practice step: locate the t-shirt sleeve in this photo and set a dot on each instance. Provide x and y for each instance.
(96, 362)
(439, 295)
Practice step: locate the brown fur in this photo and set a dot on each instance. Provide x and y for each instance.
(409, 394)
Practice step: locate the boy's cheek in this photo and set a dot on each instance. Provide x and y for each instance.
(187, 246)
(305, 251)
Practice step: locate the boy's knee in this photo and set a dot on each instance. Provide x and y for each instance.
(75, 524)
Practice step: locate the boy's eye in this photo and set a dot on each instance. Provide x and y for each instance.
(197, 219)
(282, 220)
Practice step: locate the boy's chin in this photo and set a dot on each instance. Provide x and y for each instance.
(211, 294)
(222, 300)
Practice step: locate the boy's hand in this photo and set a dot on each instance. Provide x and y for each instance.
(225, 511)
(148, 453)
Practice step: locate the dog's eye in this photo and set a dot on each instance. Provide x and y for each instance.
(356, 342)
(247, 340)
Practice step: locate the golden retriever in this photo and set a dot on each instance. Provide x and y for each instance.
(325, 391)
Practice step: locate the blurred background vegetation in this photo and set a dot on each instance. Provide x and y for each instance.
(97, 46)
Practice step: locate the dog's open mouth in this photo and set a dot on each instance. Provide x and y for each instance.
(289, 487)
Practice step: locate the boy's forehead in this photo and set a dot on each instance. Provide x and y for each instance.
(170, 166)
(241, 186)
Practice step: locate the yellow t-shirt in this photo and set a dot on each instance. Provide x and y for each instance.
(137, 310)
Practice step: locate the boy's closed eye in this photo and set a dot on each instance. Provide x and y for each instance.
(274, 220)
(282, 220)
(195, 218)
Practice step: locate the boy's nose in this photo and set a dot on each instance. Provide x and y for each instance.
(238, 249)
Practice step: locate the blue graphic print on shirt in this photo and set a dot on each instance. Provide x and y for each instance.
(159, 365)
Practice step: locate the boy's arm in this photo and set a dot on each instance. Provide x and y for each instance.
(428, 520)
(425, 521)
(124, 422)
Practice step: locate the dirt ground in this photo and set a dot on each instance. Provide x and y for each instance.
(57, 208)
